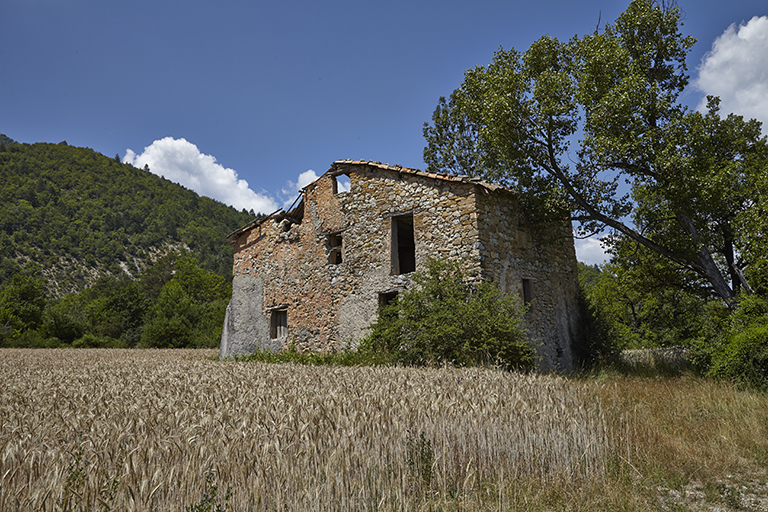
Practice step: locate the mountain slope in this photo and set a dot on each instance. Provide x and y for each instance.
(73, 214)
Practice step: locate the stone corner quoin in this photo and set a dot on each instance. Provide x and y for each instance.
(315, 276)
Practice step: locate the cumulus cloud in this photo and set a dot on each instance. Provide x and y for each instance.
(736, 69)
(305, 178)
(180, 161)
(292, 188)
(590, 251)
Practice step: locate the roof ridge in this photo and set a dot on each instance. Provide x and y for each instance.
(418, 172)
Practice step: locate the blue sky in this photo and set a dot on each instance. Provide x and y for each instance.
(245, 101)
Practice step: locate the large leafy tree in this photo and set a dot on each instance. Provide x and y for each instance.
(190, 309)
(678, 183)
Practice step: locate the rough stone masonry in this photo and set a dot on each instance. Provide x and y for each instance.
(315, 276)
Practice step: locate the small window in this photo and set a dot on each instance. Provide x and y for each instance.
(341, 183)
(527, 290)
(385, 299)
(335, 248)
(403, 245)
(278, 324)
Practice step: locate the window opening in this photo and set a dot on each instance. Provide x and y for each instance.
(385, 299)
(335, 245)
(403, 245)
(527, 290)
(341, 183)
(278, 324)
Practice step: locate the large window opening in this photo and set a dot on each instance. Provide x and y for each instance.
(403, 245)
(341, 183)
(527, 290)
(335, 248)
(278, 324)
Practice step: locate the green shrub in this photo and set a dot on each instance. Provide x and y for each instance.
(92, 341)
(736, 346)
(446, 318)
(742, 357)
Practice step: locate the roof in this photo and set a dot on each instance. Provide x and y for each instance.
(339, 166)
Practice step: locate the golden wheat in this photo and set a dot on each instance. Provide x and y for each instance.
(284, 437)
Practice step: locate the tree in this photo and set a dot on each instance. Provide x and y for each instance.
(22, 301)
(691, 177)
(446, 318)
(645, 300)
(190, 309)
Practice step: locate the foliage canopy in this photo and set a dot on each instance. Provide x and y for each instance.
(690, 182)
(72, 215)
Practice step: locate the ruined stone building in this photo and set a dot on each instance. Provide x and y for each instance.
(316, 275)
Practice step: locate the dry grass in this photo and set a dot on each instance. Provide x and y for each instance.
(287, 437)
(698, 444)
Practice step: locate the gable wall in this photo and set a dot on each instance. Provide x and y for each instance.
(543, 253)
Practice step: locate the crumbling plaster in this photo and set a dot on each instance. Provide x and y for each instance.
(282, 260)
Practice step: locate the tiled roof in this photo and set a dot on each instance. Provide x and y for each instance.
(416, 172)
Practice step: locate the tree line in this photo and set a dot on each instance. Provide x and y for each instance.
(175, 303)
(94, 252)
(71, 215)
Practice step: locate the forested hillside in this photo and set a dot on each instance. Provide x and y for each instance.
(94, 252)
(74, 215)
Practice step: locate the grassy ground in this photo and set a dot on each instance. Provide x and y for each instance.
(175, 430)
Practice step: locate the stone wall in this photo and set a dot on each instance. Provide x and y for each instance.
(288, 261)
(543, 255)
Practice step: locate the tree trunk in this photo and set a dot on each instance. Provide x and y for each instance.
(705, 265)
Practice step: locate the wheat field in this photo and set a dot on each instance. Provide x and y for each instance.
(153, 429)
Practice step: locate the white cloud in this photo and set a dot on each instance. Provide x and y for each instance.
(736, 69)
(292, 189)
(342, 183)
(180, 161)
(590, 251)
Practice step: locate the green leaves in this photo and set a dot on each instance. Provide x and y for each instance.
(190, 309)
(685, 180)
(21, 306)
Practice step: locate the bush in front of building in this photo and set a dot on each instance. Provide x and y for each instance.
(449, 318)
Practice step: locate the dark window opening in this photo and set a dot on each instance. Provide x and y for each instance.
(341, 183)
(385, 299)
(527, 290)
(403, 245)
(278, 324)
(335, 249)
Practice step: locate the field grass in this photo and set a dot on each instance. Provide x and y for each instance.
(176, 430)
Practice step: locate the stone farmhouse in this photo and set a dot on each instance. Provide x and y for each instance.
(315, 276)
